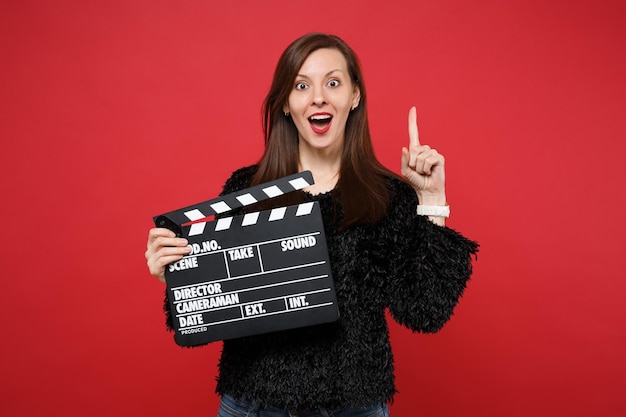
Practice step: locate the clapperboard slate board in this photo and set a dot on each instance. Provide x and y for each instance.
(254, 273)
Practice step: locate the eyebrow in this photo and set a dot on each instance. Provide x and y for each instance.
(325, 75)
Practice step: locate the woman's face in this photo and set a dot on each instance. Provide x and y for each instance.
(321, 99)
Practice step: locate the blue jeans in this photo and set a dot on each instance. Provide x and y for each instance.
(230, 407)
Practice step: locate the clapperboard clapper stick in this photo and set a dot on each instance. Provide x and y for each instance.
(250, 274)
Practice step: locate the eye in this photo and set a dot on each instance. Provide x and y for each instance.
(333, 83)
(300, 85)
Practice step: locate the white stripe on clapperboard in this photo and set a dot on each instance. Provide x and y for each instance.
(246, 199)
(225, 223)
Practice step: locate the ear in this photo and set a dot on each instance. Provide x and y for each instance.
(356, 97)
(286, 109)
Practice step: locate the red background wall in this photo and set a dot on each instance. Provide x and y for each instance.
(112, 112)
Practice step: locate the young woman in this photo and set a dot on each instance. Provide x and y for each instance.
(388, 245)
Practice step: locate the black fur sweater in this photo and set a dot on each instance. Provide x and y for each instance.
(405, 263)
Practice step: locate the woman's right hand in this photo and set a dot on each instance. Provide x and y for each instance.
(163, 249)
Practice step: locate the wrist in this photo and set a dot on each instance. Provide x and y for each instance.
(428, 199)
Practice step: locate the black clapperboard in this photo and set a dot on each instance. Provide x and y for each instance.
(250, 274)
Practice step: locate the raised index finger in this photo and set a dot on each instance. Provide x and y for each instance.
(414, 136)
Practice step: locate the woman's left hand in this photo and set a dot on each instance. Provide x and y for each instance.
(423, 167)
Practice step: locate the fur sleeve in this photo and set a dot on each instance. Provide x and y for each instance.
(430, 265)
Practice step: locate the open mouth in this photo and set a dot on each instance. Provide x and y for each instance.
(320, 122)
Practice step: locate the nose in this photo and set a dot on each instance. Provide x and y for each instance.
(318, 96)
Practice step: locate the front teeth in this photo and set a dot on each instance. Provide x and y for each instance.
(320, 117)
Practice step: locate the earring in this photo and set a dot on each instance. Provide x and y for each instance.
(286, 114)
(355, 105)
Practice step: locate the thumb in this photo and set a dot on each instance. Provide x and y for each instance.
(409, 174)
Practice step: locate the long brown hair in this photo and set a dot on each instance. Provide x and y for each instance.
(363, 193)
